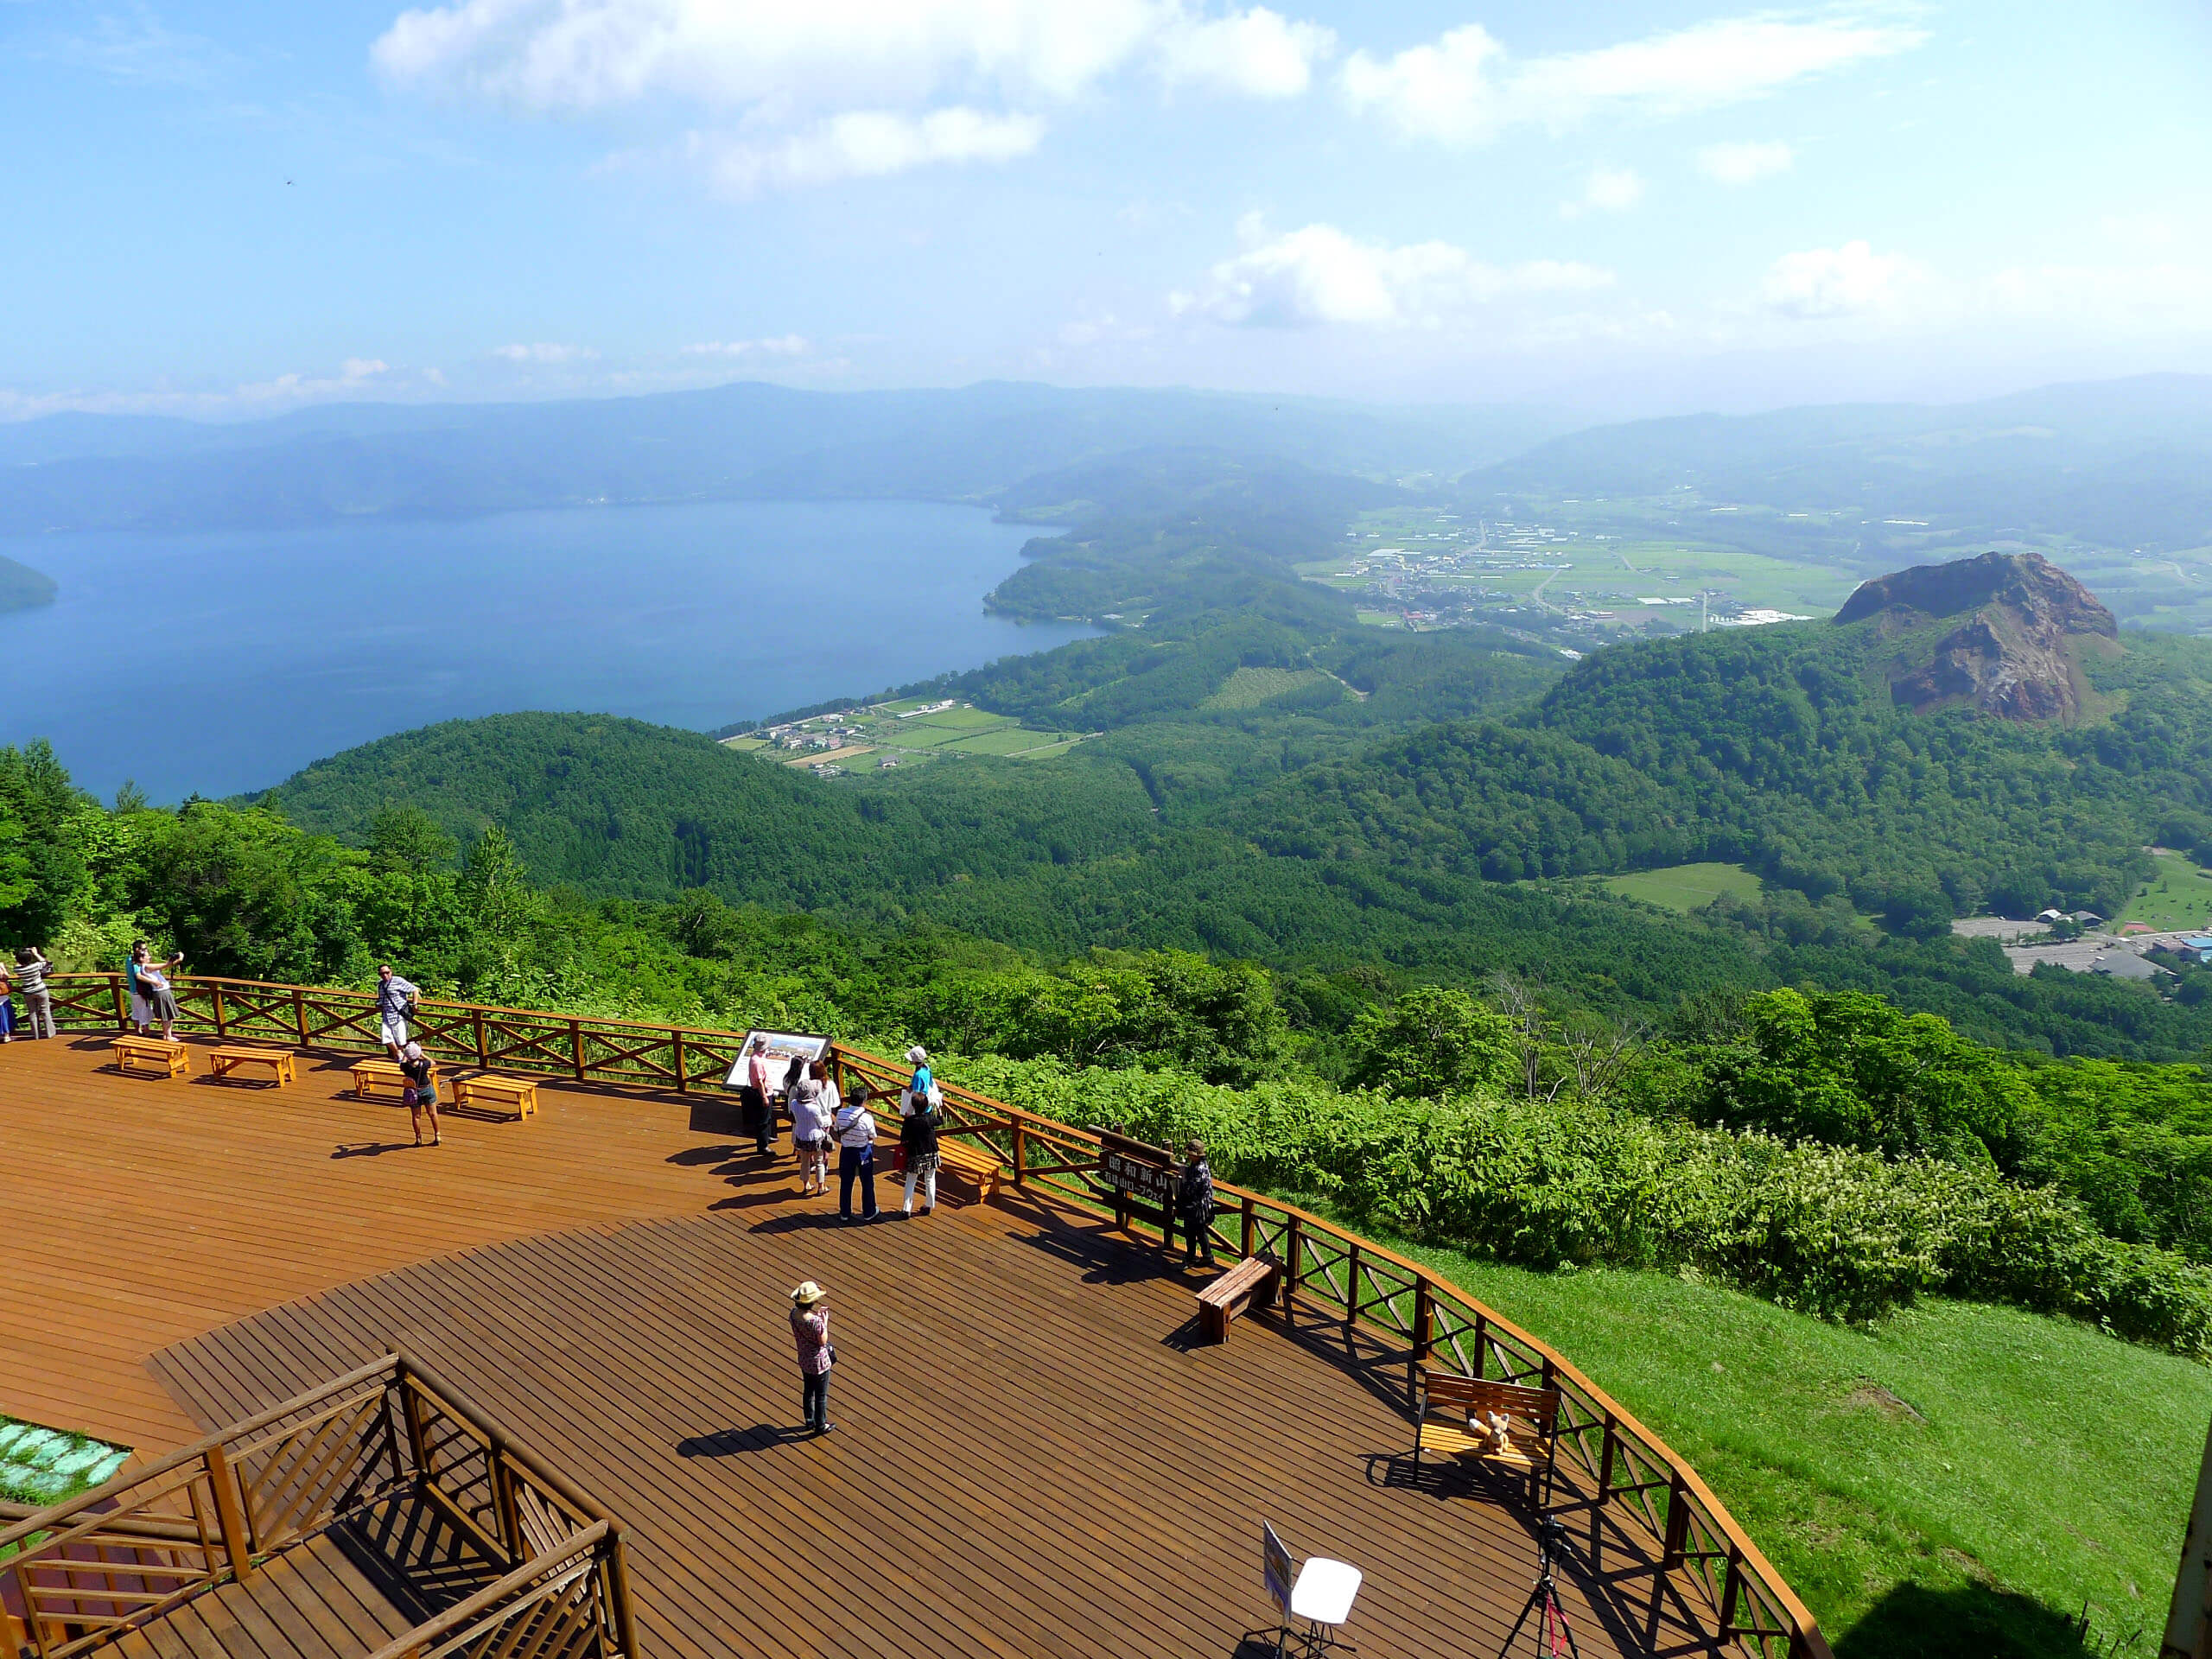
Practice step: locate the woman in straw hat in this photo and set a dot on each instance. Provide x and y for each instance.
(811, 1330)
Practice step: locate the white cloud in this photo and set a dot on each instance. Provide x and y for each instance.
(863, 144)
(776, 345)
(1319, 275)
(576, 55)
(1607, 190)
(1259, 54)
(1745, 164)
(1464, 88)
(544, 351)
(838, 89)
(1849, 281)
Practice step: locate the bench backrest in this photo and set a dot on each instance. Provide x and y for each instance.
(1469, 1395)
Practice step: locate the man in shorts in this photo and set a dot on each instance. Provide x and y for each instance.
(395, 1002)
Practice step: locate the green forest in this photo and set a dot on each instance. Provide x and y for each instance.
(1350, 923)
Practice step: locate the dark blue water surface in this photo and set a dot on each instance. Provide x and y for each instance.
(223, 662)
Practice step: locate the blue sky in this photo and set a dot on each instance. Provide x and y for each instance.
(220, 210)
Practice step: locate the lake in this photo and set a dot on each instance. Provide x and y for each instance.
(225, 662)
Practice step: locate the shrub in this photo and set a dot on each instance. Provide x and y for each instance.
(1835, 1231)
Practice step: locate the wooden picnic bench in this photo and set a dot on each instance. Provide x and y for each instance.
(370, 1076)
(1252, 1280)
(518, 1094)
(157, 1056)
(1451, 1407)
(222, 1062)
(978, 1167)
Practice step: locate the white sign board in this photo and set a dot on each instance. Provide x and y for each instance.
(783, 1047)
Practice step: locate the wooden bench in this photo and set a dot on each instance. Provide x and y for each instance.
(1252, 1280)
(370, 1076)
(978, 1167)
(156, 1056)
(519, 1094)
(1449, 1404)
(222, 1062)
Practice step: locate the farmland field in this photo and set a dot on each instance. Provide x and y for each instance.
(1685, 886)
(2178, 896)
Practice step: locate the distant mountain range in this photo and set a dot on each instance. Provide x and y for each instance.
(749, 440)
(2119, 463)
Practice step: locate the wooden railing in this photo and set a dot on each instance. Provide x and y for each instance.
(1722, 1585)
(1720, 1582)
(85, 1572)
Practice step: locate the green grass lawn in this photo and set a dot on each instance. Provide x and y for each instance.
(2178, 896)
(1959, 1480)
(1685, 887)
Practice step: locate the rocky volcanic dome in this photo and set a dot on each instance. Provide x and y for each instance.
(2015, 650)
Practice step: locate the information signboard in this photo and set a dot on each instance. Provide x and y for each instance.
(1137, 1168)
(1275, 1562)
(783, 1046)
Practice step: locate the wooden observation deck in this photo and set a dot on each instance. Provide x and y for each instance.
(1034, 1454)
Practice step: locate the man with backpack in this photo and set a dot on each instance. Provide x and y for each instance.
(396, 1004)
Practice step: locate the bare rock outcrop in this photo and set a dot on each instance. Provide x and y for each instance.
(2015, 650)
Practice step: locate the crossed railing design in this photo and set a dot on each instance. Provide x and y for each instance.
(84, 1574)
(1709, 1572)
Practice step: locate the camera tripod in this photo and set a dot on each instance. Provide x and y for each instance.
(1551, 1622)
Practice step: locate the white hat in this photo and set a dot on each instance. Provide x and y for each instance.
(918, 1055)
(809, 1294)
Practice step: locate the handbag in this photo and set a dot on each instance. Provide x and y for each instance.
(898, 1161)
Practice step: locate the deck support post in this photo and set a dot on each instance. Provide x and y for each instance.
(1251, 1221)
(1351, 1288)
(1670, 1554)
(122, 1014)
(1424, 1336)
(1608, 1442)
(577, 1046)
(229, 1516)
(682, 1081)
(1482, 1343)
(1290, 1268)
(618, 1583)
(300, 1014)
(222, 1023)
(1020, 1150)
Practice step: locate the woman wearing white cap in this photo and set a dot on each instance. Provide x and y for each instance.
(811, 1330)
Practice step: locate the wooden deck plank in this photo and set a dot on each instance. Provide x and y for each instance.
(1033, 1458)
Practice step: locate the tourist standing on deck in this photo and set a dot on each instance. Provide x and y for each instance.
(812, 1108)
(7, 1007)
(396, 1001)
(754, 1094)
(855, 1127)
(811, 1330)
(1194, 1202)
(150, 990)
(918, 1139)
(421, 1092)
(31, 969)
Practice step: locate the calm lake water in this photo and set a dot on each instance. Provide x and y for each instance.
(225, 662)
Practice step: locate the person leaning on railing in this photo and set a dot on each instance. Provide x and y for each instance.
(31, 969)
(151, 997)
